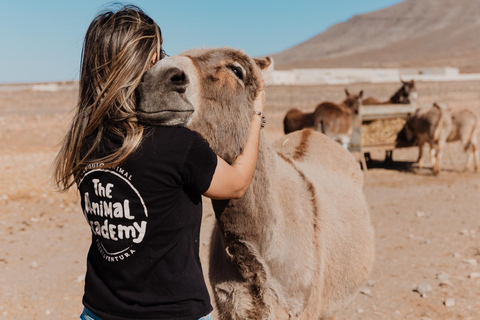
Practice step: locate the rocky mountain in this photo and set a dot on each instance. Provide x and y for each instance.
(413, 33)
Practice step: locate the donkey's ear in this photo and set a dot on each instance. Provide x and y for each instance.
(360, 94)
(263, 63)
(346, 92)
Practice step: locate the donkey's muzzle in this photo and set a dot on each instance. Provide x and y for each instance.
(162, 96)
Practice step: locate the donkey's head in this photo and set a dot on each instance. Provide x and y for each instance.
(406, 94)
(210, 90)
(353, 101)
(406, 137)
(410, 91)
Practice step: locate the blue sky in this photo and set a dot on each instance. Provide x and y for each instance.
(42, 40)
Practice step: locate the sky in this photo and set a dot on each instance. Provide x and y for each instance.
(41, 41)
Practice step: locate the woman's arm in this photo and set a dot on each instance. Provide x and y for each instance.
(231, 181)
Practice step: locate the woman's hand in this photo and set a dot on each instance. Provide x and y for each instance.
(259, 103)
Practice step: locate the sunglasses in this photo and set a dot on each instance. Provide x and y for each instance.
(163, 54)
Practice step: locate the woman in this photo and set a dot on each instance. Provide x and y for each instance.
(141, 186)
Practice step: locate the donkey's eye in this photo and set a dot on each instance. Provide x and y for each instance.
(237, 71)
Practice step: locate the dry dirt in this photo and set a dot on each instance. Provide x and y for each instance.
(425, 225)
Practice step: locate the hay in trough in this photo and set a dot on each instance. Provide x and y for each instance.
(381, 131)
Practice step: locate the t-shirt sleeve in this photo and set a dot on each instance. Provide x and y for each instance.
(200, 165)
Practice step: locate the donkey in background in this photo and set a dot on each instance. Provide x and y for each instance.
(406, 94)
(430, 126)
(332, 119)
(336, 120)
(465, 128)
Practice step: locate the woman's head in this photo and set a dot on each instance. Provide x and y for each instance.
(119, 47)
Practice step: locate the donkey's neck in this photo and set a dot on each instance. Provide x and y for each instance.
(231, 214)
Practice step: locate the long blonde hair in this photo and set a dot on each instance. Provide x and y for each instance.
(117, 50)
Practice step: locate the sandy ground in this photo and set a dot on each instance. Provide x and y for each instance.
(427, 228)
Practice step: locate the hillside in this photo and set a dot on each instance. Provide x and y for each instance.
(413, 33)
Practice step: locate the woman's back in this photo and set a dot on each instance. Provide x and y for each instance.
(145, 216)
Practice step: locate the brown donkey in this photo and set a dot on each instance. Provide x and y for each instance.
(336, 120)
(405, 95)
(430, 126)
(299, 244)
(296, 120)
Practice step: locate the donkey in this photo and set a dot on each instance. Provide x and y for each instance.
(296, 120)
(336, 120)
(299, 243)
(465, 128)
(405, 95)
(430, 126)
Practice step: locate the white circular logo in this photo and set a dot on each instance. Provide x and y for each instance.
(115, 211)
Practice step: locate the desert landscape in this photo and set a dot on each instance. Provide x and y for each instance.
(427, 227)
(412, 33)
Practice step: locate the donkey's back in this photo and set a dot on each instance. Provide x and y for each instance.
(343, 230)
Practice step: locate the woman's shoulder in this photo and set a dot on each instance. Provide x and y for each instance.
(176, 137)
(164, 132)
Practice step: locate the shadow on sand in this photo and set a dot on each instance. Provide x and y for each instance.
(401, 166)
(404, 166)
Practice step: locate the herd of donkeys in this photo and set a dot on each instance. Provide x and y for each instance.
(434, 126)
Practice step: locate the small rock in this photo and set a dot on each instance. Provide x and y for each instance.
(423, 289)
(4, 197)
(450, 302)
(359, 310)
(371, 283)
(427, 241)
(366, 291)
(420, 214)
(443, 276)
(34, 265)
(472, 262)
(47, 312)
(456, 255)
(80, 278)
(464, 232)
(446, 283)
(474, 275)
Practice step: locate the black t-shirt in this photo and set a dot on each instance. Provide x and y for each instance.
(145, 217)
